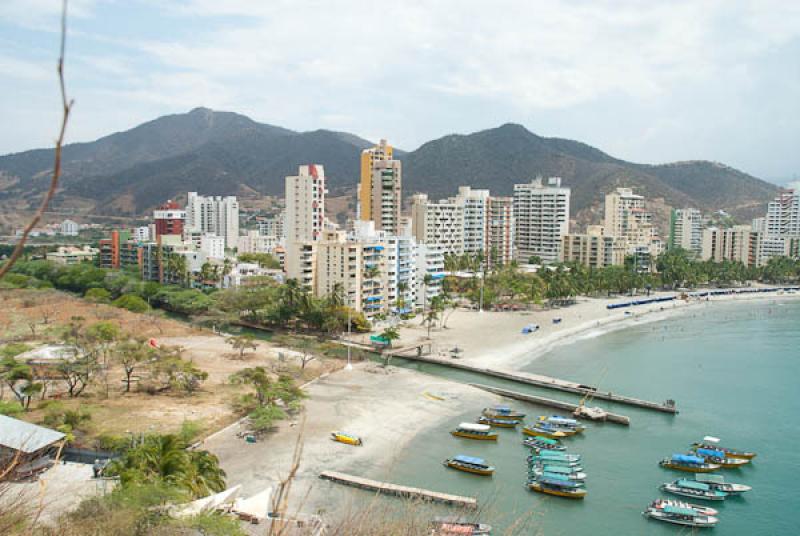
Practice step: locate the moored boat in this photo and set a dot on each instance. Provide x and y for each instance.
(681, 516)
(558, 488)
(544, 431)
(348, 439)
(711, 442)
(557, 455)
(702, 510)
(540, 442)
(452, 525)
(689, 463)
(694, 489)
(719, 457)
(717, 483)
(499, 423)
(471, 430)
(547, 471)
(470, 464)
(564, 424)
(502, 412)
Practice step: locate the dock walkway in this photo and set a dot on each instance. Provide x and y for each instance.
(537, 380)
(388, 488)
(542, 401)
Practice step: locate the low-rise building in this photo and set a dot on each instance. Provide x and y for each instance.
(255, 242)
(72, 255)
(594, 248)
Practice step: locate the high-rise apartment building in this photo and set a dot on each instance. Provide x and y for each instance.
(783, 214)
(686, 230)
(594, 248)
(214, 215)
(305, 221)
(273, 226)
(430, 273)
(438, 224)
(541, 217)
(475, 211)
(738, 244)
(169, 219)
(500, 231)
(386, 196)
(369, 157)
(627, 218)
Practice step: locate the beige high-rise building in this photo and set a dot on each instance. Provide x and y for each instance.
(500, 231)
(438, 224)
(738, 244)
(305, 221)
(386, 197)
(594, 248)
(627, 218)
(541, 217)
(475, 210)
(369, 157)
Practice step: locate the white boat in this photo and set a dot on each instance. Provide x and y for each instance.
(677, 515)
(703, 510)
(717, 483)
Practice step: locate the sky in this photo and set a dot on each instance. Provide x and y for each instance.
(645, 81)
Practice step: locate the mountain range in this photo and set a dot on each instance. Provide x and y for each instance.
(224, 153)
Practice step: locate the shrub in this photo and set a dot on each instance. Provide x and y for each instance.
(10, 408)
(99, 295)
(132, 303)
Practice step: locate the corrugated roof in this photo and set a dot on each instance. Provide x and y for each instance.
(24, 436)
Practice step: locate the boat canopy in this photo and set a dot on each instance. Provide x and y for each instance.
(686, 458)
(470, 459)
(472, 427)
(680, 510)
(557, 454)
(692, 484)
(546, 441)
(711, 453)
(558, 469)
(560, 420)
(705, 477)
(711, 439)
(559, 483)
(555, 476)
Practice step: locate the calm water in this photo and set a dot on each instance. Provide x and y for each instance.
(733, 370)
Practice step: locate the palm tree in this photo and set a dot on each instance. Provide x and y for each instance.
(431, 317)
(390, 334)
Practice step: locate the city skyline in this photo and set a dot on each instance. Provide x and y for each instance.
(647, 84)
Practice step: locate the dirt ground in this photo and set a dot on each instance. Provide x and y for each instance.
(37, 318)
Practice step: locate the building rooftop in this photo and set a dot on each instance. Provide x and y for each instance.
(24, 436)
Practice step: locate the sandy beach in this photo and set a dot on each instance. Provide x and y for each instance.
(389, 406)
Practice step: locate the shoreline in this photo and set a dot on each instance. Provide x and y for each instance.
(390, 407)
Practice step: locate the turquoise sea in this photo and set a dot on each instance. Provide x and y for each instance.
(734, 371)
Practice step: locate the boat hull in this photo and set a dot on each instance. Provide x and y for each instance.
(544, 433)
(479, 437)
(499, 423)
(575, 494)
(467, 469)
(684, 492)
(695, 523)
(706, 468)
(354, 441)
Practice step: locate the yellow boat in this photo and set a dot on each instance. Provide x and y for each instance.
(348, 439)
(469, 464)
(718, 457)
(710, 442)
(558, 488)
(533, 430)
(470, 430)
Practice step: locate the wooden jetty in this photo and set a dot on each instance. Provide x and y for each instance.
(542, 401)
(387, 488)
(537, 380)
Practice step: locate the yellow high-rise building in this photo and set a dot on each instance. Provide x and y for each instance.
(382, 151)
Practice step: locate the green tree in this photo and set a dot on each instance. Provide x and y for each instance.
(390, 334)
(242, 343)
(132, 303)
(98, 295)
(20, 380)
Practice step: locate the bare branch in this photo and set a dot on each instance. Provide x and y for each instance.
(66, 108)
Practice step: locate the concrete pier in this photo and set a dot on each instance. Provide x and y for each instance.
(545, 382)
(387, 488)
(542, 401)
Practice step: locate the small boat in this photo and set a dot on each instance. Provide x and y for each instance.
(711, 442)
(702, 510)
(546, 471)
(470, 464)
(553, 476)
(719, 457)
(502, 412)
(471, 430)
(452, 525)
(559, 488)
(544, 431)
(530, 328)
(557, 455)
(499, 423)
(717, 483)
(539, 442)
(538, 462)
(689, 463)
(563, 423)
(348, 439)
(694, 489)
(679, 515)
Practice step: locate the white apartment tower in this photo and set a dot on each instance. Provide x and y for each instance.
(305, 221)
(541, 216)
(438, 224)
(686, 230)
(213, 215)
(475, 210)
(783, 215)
